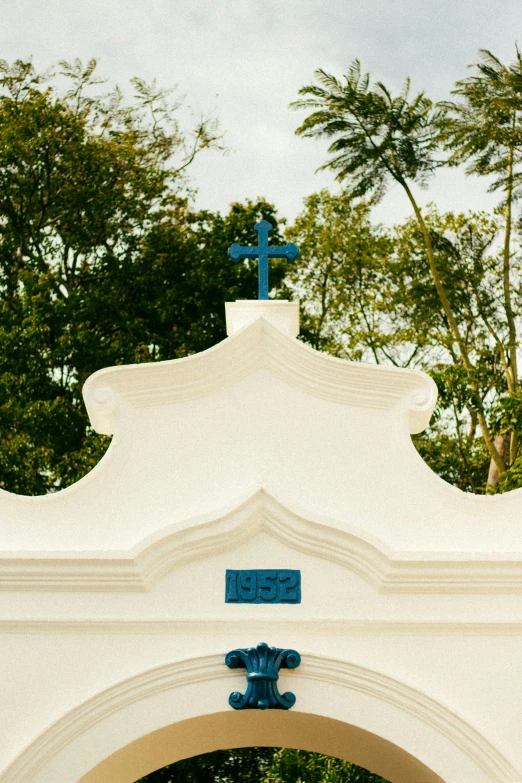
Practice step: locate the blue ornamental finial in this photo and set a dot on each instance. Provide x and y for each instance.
(263, 252)
(262, 664)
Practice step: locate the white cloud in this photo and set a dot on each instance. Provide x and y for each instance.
(244, 60)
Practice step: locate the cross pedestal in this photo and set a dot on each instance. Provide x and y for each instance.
(279, 312)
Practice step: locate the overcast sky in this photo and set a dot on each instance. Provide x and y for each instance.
(244, 61)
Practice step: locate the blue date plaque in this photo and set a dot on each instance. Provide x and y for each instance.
(263, 586)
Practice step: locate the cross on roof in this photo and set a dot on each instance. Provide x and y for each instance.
(263, 252)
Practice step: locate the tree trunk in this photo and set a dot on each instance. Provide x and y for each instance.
(512, 376)
(502, 446)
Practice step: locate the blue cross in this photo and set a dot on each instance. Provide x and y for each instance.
(263, 252)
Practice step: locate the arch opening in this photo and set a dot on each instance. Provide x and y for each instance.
(227, 730)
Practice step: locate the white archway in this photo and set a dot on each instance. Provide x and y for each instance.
(114, 618)
(178, 710)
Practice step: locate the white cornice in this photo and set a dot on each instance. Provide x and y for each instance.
(259, 346)
(215, 626)
(50, 571)
(140, 568)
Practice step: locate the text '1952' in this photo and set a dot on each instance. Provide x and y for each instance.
(263, 586)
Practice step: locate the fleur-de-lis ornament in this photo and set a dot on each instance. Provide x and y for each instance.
(262, 664)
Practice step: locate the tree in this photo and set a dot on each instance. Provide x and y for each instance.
(242, 765)
(162, 301)
(82, 174)
(484, 130)
(342, 277)
(368, 294)
(379, 138)
(299, 766)
(464, 245)
(102, 260)
(262, 765)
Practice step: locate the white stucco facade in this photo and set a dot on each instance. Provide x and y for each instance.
(260, 453)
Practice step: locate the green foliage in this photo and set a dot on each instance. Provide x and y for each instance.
(243, 765)
(460, 458)
(369, 294)
(467, 257)
(484, 129)
(102, 261)
(299, 766)
(463, 246)
(163, 300)
(262, 765)
(340, 278)
(458, 297)
(377, 137)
